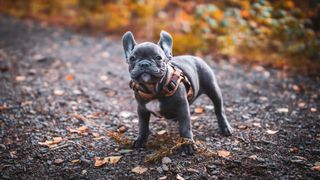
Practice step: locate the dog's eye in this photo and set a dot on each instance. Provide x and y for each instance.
(132, 58)
(158, 58)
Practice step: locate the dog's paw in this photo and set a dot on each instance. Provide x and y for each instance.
(188, 149)
(138, 143)
(227, 131)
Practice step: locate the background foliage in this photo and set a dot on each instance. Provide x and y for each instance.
(279, 32)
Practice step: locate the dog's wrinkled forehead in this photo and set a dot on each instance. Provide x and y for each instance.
(147, 49)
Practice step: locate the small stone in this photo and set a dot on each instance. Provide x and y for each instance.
(166, 160)
(165, 167)
(160, 170)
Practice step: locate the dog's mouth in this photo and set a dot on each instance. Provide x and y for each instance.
(145, 77)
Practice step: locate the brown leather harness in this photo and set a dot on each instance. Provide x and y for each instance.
(174, 77)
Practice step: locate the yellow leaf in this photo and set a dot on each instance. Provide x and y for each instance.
(199, 110)
(69, 77)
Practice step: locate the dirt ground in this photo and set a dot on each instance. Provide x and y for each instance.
(62, 92)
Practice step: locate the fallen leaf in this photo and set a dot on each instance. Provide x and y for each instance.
(139, 170)
(3, 106)
(223, 153)
(283, 110)
(56, 140)
(269, 131)
(96, 135)
(111, 93)
(199, 110)
(58, 92)
(294, 150)
(58, 161)
(75, 161)
(99, 162)
(313, 109)
(257, 125)
(112, 159)
(125, 114)
(103, 78)
(162, 132)
(316, 168)
(263, 98)
(122, 129)
(295, 88)
(83, 129)
(301, 104)
(20, 78)
(192, 170)
(254, 157)
(242, 127)
(69, 77)
(179, 177)
(163, 178)
(229, 109)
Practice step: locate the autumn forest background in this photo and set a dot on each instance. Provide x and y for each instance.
(279, 33)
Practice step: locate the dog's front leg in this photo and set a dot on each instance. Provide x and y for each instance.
(185, 127)
(144, 117)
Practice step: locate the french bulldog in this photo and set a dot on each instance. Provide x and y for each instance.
(148, 66)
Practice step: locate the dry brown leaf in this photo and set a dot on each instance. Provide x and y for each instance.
(112, 159)
(269, 131)
(99, 162)
(56, 140)
(83, 129)
(223, 153)
(199, 110)
(69, 77)
(316, 168)
(139, 170)
(122, 129)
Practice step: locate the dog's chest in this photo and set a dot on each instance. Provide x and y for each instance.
(154, 107)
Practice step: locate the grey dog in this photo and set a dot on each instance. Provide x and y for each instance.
(149, 65)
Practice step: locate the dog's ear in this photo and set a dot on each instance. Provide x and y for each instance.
(165, 43)
(128, 43)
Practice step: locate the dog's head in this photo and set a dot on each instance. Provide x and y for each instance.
(147, 61)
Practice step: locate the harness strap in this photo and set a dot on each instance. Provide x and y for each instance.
(174, 78)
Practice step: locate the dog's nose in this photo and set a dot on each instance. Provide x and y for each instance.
(144, 64)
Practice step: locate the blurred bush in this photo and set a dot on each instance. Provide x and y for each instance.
(279, 32)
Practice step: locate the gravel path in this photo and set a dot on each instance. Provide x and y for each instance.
(61, 92)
